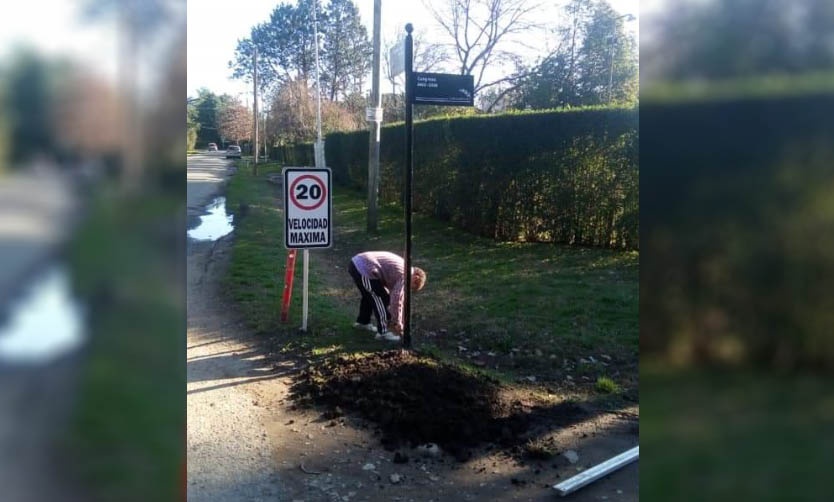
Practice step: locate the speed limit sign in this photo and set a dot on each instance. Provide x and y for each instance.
(307, 199)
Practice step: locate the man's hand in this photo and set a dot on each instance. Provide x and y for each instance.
(397, 328)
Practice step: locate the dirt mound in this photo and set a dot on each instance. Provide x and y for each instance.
(416, 400)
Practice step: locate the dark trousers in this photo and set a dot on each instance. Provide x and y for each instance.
(375, 299)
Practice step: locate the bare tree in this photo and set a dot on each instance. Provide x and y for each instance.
(427, 56)
(235, 122)
(483, 32)
(87, 115)
(292, 117)
(139, 21)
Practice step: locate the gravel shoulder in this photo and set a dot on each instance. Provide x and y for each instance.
(228, 448)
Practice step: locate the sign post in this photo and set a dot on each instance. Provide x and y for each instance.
(423, 89)
(307, 212)
(409, 173)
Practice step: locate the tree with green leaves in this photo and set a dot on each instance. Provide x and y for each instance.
(206, 109)
(594, 62)
(286, 50)
(30, 94)
(285, 43)
(711, 39)
(608, 56)
(192, 125)
(346, 50)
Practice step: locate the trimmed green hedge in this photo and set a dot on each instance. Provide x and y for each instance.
(293, 155)
(553, 176)
(737, 215)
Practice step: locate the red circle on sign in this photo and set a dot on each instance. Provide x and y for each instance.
(319, 182)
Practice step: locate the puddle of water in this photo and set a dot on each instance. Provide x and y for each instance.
(44, 324)
(215, 224)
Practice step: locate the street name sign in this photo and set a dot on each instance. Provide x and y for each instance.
(396, 58)
(444, 89)
(307, 208)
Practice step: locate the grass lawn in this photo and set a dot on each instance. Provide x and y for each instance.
(511, 309)
(126, 439)
(735, 436)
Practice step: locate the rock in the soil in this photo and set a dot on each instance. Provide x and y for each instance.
(395, 478)
(429, 450)
(369, 467)
(572, 456)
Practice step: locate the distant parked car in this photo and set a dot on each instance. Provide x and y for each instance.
(233, 152)
(212, 147)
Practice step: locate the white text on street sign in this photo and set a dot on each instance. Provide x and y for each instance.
(443, 89)
(307, 205)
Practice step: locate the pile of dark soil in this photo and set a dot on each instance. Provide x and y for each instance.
(416, 400)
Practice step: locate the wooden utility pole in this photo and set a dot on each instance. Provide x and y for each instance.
(255, 109)
(375, 124)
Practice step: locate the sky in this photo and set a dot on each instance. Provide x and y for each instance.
(58, 31)
(214, 29)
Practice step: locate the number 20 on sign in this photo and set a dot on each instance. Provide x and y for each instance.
(307, 208)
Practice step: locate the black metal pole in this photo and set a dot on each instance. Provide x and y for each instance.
(409, 172)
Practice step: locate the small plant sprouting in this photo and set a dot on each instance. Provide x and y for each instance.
(607, 385)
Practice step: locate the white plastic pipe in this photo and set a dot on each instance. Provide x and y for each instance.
(598, 471)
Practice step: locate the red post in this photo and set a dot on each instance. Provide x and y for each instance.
(288, 277)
